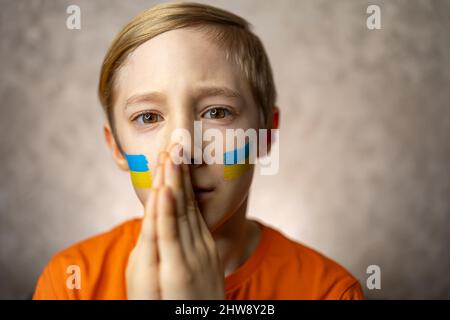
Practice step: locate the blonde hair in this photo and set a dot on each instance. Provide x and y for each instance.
(229, 31)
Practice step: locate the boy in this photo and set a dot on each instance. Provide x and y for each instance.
(172, 65)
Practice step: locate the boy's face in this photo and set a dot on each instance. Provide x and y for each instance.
(166, 84)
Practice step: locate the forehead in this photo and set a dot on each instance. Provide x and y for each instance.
(177, 61)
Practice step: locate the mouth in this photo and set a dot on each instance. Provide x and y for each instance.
(203, 193)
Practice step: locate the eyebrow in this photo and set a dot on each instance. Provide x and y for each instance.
(155, 96)
(213, 91)
(202, 92)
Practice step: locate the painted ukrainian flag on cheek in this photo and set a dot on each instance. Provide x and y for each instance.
(236, 162)
(141, 177)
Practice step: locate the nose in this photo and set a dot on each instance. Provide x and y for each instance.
(187, 131)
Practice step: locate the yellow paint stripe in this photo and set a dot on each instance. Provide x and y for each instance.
(141, 179)
(234, 171)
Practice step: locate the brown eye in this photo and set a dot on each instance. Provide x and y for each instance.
(216, 113)
(148, 117)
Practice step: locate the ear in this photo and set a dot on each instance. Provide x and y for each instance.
(272, 123)
(117, 154)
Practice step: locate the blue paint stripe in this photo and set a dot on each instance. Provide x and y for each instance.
(137, 162)
(237, 155)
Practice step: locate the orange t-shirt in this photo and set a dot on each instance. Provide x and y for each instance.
(279, 268)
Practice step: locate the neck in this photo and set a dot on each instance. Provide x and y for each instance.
(236, 239)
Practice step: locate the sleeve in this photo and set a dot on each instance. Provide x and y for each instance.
(354, 292)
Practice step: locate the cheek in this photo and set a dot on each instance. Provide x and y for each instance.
(141, 153)
(233, 193)
(238, 186)
(230, 196)
(233, 184)
(236, 162)
(140, 170)
(235, 171)
(142, 195)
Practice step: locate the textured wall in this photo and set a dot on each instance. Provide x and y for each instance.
(365, 149)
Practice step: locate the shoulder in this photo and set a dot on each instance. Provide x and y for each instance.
(310, 271)
(101, 245)
(89, 258)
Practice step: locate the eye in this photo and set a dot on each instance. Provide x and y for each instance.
(216, 113)
(148, 117)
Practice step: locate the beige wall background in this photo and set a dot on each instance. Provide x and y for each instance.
(365, 129)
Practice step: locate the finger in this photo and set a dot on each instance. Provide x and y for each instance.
(192, 209)
(147, 236)
(206, 235)
(173, 179)
(159, 176)
(148, 227)
(162, 157)
(201, 234)
(169, 246)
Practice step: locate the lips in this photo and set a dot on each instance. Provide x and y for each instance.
(203, 193)
(202, 189)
